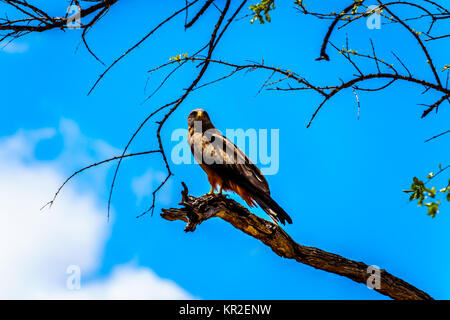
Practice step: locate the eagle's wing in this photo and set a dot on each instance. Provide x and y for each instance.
(226, 160)
(229, 161)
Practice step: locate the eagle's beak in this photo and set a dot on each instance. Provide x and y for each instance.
(199, 114)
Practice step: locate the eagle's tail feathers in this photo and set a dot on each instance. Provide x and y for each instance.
(275, 212)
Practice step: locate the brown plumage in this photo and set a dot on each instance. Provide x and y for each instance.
(228, 167)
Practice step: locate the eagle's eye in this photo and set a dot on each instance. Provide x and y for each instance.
(199, 114)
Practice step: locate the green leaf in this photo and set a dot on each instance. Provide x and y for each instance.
(261, 11)
(420, 192)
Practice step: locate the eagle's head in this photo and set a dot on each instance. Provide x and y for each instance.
(201, 117)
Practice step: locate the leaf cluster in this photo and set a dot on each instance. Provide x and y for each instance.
(261, 11)
(420, 192)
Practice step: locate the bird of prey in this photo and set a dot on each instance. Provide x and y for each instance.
(228, 167)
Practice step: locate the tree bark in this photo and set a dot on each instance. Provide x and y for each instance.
(196, 210)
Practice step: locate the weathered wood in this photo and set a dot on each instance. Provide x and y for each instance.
(196, 210)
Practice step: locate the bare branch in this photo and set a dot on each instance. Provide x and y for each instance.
(50, 203)
(437, 136)
(140, 42)
(197, 210)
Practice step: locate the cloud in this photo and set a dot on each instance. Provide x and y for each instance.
(20, 147)
(144, 185)
(36, 247)
(15, 47)
(126, 282)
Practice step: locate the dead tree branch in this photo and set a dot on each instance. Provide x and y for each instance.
(197, 210)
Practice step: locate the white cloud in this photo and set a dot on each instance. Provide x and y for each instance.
(36, 247)
(126, 282)
(79, 149)
(144, 185)
(15, 47)
(20, 147)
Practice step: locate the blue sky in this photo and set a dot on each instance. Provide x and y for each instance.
(341, 180)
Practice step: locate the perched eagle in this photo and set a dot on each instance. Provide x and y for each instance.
(228, 167)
